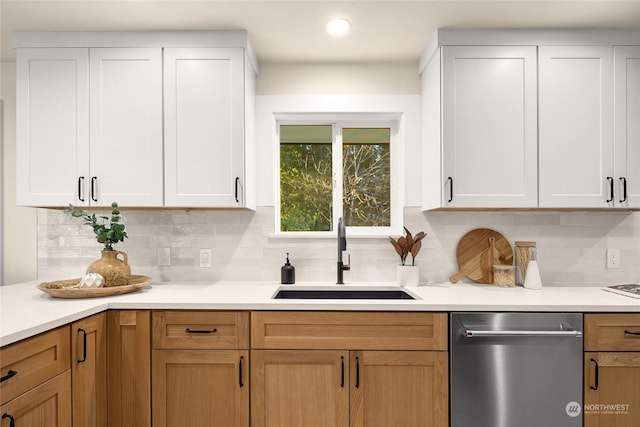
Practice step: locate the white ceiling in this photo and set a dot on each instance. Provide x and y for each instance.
(293, 30)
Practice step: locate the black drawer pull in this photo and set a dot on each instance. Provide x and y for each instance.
(94, 190)
(357, 372)
(12, 421)
(631, 333)
(84, 345)
(80, 188)
(595, 386)
(241, 363)
(342, 371)
(10, 374)
(624, 189)
(610, 179)
(201, 331)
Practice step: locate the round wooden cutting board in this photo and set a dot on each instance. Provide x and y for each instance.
(473, 247)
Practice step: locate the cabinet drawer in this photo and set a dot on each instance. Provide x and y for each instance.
(48, 404)
(200, 329)
(34, 361)
(349, 330)
(612, 332)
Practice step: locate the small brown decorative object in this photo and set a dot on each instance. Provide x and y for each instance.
(116, 272)
(408, 244)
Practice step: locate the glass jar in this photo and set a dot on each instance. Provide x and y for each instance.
(504, 275)
(525, 252)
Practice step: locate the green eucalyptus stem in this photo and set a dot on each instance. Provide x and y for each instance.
(108, 236)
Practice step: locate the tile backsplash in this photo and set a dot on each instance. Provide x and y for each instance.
(571, 245)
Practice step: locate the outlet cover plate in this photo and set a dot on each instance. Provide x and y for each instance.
(205, 258)
(613, 258)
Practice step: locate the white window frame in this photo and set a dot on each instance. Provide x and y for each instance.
(340, 121)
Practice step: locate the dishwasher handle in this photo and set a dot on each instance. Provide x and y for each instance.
(470, 333)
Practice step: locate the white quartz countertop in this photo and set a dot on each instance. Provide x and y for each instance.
(26, 311)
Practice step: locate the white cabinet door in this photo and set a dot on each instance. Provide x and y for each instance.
(576, 126)
(627, 126)
(126, 126)
(52, 126)
(489, 129)
(204, 127)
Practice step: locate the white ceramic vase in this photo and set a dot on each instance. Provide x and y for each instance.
(408, 275)
(532, 279)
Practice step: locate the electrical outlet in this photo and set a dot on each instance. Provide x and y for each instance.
(164, 257)
(205, 258)
(613, 258)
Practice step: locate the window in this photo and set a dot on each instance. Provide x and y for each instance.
(329, 170)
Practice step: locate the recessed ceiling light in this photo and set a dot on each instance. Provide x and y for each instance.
(338, 27)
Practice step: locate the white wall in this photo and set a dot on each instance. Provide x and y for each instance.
(19, 249)
(339, 79)
(571, 246)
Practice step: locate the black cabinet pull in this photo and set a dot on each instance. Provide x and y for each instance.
(624, 189)
(10, 374)
(12, 421)
(610, 179)
(201, 331)
(342, 371)
(595, 387)
(80, 187)
(631, 333)
(237, 182)
(84, 345)
(240, 381)
(357, 372)
(94, 191)
(450, 180)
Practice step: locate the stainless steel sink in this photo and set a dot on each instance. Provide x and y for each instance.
(343, 292)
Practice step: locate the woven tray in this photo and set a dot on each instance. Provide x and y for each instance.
(69, 288)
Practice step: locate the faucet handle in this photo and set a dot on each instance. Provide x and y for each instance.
(348, 266)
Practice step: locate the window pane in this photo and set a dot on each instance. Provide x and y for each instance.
(305, 178)
(366, 159)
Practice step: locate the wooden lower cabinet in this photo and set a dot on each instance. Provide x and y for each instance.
(612, 389)
(200, 388)
(47, 405)
(129, 368)
(340, 369)
(326, 388)
(399, 388)
(293, 388)
(89, 371)
(611, 370)
(32, 361)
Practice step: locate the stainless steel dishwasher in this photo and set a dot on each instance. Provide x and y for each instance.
(515, 369)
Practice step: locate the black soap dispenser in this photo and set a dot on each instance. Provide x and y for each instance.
(288, 273)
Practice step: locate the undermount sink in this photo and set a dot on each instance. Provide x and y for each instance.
(343, 292)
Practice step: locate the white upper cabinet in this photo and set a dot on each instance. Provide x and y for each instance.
(52, 127)
(204, 127)
(144, 119)
(576, 126)
(89, 127)
(627, 126)
(489, 133)
(531, 118)
(126, 126)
